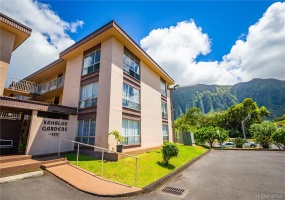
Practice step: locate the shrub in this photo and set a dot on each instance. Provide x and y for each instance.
(210, 134)
(278, 138)
(169, 150)
(262, 133)
(239, 142)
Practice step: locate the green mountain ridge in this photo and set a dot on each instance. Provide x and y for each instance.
(211, 98)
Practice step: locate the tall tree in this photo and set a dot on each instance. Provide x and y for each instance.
(237, 113)
(192, 116)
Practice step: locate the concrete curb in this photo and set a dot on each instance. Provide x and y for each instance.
(151, 187)
(246, 149)
(21, 176)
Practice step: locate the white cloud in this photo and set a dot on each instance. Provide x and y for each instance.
(260, 55)
(74, 25)
(49, 35)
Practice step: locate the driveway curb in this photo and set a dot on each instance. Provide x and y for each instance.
(151, 187)
(21, 176)
(247, 149)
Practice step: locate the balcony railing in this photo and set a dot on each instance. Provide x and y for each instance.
(6, 115)
(31, 87)
(21, 85)
(51, 85)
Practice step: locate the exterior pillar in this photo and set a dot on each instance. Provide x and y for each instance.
(110, 89)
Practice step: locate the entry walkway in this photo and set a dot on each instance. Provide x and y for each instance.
(90, 183)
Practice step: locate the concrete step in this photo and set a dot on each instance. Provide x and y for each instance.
(50, 159)
(15, 164)
(18, 166)
(54, 164)
(5, 159)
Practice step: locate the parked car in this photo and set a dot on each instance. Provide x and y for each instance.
(249, 144)
(228, 144)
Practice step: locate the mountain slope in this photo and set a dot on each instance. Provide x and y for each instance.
(266, 92)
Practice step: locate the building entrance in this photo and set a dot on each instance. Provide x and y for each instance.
(11, 131)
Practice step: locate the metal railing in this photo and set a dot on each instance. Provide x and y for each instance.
(102, 159)
(6, 115)
(31, 87)
(21, 85)
(51, 85)
(4, 143)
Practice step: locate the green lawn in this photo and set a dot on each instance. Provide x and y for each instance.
(151, 166)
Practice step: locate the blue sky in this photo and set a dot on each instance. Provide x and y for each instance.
(210, 42)
(223, 21)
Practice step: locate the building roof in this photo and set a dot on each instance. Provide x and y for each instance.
(106, 31)
(22, 32)
(113, 29)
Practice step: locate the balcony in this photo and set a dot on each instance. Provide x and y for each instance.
(23, 89)
(51, 85)
(21, 86)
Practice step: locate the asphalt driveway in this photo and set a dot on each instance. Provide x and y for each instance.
(229, 174)
(219, 175)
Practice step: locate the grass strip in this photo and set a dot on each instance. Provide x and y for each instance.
(151, 165)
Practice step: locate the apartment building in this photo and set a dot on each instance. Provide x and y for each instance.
(112, 83)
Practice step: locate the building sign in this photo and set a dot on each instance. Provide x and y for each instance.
(54, 127)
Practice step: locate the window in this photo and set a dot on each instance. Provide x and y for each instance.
(131, 66)
(131, 97)
(163, 88)
(165, 132)
(164, 109)
(91, 62)
(88, 95)
(131, 132)
(86, 131)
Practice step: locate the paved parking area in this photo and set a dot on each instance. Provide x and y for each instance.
(219, 175)
(230, 174)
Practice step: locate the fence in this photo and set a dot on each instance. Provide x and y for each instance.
(186, 138)
(102, 159)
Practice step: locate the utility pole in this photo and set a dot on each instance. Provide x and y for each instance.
(172, 110)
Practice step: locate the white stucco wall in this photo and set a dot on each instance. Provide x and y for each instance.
(71, 89)
(43, 141)
(151, 118)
